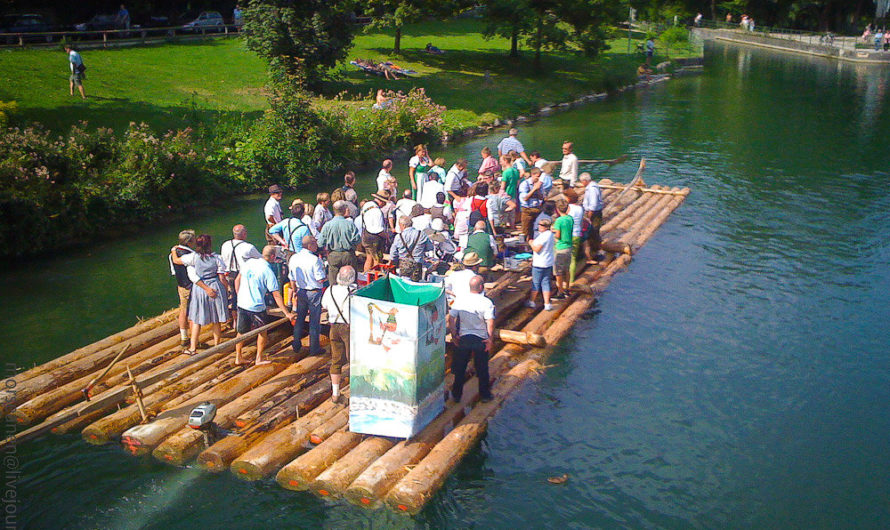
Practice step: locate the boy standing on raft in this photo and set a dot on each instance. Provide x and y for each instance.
(183, 282)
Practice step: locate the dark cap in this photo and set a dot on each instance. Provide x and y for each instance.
(275, 188)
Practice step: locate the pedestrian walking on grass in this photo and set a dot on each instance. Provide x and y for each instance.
(78, 72)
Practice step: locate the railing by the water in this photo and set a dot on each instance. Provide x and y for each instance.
(844, 42)
(112, 37)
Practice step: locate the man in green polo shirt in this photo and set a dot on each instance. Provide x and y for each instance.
(339, 237)
(482, 244)
(562, 228)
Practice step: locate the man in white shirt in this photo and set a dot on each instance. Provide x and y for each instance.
(403, 208)
(510, 143)
(471, 324)
(306, 274)
(457, 283)
(373, 226)
(431, 188)
(75, 61)
(272, 210)
(336, 300)
(577, 213)
(542, 265)
(385, 180)
(568, 171)
(234, 253)
(454, 180)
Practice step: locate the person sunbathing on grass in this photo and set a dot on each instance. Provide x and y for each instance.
(433, 50)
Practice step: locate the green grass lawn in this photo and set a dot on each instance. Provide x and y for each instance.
(175, 85)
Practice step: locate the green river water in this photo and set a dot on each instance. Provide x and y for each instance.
(736, 375)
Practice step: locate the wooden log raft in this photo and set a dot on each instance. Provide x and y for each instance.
(300, 473)
(376, 480)
(220, 455)
(282, 445)
(47, 403)
(411, 493)
(187, 442)
(338, 476)
(142, 439)
(33, 386)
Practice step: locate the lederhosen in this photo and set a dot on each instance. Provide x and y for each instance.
(409, 267)
(231, 275)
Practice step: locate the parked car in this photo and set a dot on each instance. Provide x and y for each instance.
(28, 23)
(207, 20)
(99, 23)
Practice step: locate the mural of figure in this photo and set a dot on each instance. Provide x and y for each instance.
(388, 324)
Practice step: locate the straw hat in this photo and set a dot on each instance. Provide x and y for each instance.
(471, 258)
(383, 195)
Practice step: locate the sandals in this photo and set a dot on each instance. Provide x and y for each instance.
(189, 352)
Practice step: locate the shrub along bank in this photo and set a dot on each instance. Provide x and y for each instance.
(59, 190)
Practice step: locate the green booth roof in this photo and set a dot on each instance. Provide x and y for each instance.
(395, 289)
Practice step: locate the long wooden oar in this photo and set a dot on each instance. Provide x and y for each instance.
(121, 394)
(615, 202)
(92, 383)
(610, 161)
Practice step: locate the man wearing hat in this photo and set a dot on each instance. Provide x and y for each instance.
(272, 210)
(373, 228)
(483, 244)
(293, 229)
(443, 247)
(458, 282)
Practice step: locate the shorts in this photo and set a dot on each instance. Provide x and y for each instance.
(373, 243)
(339, 336)
(541, 278)
(562, 262)
(251, 320)
(76, 79)
(184, 295)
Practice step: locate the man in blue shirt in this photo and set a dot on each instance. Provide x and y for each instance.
(593, 211)
(292, 230)
(254, 281)
(530, 199)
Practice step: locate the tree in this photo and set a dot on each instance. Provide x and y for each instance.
(300, 37)
(394, 14)
(508, 19)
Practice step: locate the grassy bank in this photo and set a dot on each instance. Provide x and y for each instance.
(178, 85)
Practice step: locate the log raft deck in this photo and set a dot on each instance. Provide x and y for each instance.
(282, 422)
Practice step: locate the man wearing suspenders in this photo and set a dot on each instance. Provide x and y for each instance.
(234, 253)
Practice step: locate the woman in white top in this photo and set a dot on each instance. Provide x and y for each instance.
(208, 302)
(418, 167)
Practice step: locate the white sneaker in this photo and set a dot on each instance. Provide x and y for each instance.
(530, 304)
(548, 307)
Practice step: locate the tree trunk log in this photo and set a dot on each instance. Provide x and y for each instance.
(335, 479)
(142, 439)
(305, 468)
(281, 446)
(187, 442)
(326, 429)
(75, 369)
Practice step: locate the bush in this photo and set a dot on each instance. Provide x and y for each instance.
(54, 191)
(406, 119)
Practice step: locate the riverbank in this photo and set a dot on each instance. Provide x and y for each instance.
(764, 40)
(63, 190)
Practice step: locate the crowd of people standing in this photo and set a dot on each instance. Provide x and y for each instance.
(450, 224)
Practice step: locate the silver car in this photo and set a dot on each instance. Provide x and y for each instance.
(207, 20)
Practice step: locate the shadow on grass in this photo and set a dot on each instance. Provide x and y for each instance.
(489, 81)
(118, 113)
